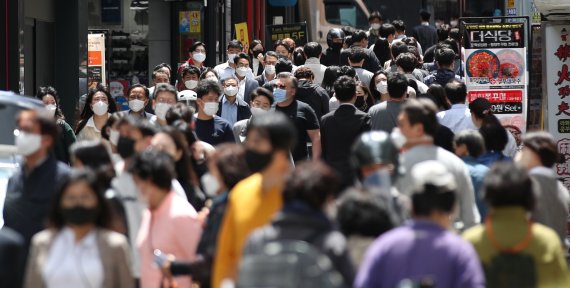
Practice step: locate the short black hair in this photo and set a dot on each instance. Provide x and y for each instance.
(362, 213)
(359, 36)
(262, 92)
(163, 65)
(304, 72)
(397, 85)
(480, 107)
(345, 88)
(312, 183)
(270, 53)
(398, 48)
(456, 91)
(407, 61)
(277, 128)
(288, 75)
(92, 154)
(299, 56)
(156, 72)
(180, 111)
(195, 45)
(386, 30)
(229, 159)
(146, 128)
(444, 56)
(146, 92)
(375, 15)
(422, 111)
(436, 93)
(356, 54)
(283, 65)
(165, 87)
(313, 50)
(543, 144)
(190, 69)
(442, 32)
(473, 140)
(280, 42)
(425, 15)
(234, 44)
(206, 86)
(209, 70)
(240, 56)
(49, 90)
(399, 25)
(495, 135)
(433, 199)
(507, 184)
(347, 71)
(156, 166)
(104, 212)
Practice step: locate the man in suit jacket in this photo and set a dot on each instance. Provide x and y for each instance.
(269, 73)
(424, 33)
(340, 128)
(245, 84)
(360, 39)
(12, 258)
(139, 98)
(232, 108)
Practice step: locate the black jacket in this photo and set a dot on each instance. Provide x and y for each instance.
(299, 222)
(12, 258)
(339, 130)
(243, 111)
(426, 35)
(331, 57)
(313, 95)
(371, 62)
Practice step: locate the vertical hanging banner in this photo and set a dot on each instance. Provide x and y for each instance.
(556, 85)
(496, 68)
(242, 35)
(95, 60)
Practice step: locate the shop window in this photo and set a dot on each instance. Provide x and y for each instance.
(346, 15)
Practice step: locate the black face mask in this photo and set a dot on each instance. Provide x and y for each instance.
(126, 147)
(336, 46)
(79, 215)
(257, 161)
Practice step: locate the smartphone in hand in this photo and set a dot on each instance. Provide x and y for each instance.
(159, 258)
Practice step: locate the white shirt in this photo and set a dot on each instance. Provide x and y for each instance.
(241, 88)
(255, 66)
(333, 104)
(73, 264)
(224, 71)
(318, 69)
(458, 118)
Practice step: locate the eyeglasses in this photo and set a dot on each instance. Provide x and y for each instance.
(242, 65)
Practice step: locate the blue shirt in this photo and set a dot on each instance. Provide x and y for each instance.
(489, 158)
(477, 172)
(214, 131)
(420, 250)
(229, 110)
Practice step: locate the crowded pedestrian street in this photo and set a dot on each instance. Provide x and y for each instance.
(284, 143)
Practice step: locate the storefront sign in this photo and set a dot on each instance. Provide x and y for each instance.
(189, 22)
(242, 35)
(296, 31)
(95, 59)
(496, 68)
(556, 55)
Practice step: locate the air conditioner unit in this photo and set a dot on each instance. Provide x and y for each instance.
(554, 9)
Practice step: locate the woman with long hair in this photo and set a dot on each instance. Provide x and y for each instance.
(99, 106)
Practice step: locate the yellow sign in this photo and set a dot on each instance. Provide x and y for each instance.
(242, 35)
(189, 22)
(510, 3)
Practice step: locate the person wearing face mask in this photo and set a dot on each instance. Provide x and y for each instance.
(245, 84)
(379, 86)
(228, 68)
(261, 102)
(418, 126)
(78, 249)
(190, 78)
(33, 185)
(270, 61)
(359, 39)
(384, 115)
(269, 139)
(99, 106)
(158, 77)
(110, 133)
(231, 107)
(165, 97)
(302, 115)
(256, 56)
(139, 98)
(49, 96)
(375, 20)
(170, 224)
(210, 127)
(196, 58)
(331, 56)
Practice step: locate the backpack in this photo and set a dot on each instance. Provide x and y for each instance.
(287, 264)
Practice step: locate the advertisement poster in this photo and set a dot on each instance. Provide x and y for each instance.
(295, 31)
(556, 51)
(95, 60)
(242, 35)
(189, 22)
(496, 69)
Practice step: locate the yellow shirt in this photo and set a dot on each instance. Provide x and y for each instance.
(248, 208)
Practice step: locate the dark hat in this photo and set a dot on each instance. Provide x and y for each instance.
(425, 14)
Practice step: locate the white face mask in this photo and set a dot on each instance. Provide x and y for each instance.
(242, 71)
(51, 109)
(136, 105)
(269, 69)
(114, 137)
(231, 57)
(375, 26)
(210, 184)
(231, 90)
(161, 109)
(211, 108)
(212, 78)
(398, 138)
(453, 23)
(100, 108)
(27, 143)
(191, 84)
(257, 111)
(199, 57)
(382, 87)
